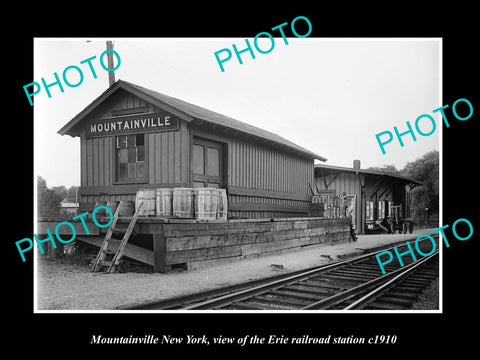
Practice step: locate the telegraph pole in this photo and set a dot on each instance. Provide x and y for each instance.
(111, 74)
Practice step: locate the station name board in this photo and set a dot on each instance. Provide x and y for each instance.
(139, 123)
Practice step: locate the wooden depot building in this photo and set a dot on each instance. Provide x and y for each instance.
(134, 138)
(375, 192)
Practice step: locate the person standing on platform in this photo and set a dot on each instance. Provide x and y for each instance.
(352, 224)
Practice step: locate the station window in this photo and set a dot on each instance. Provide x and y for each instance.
(130, 151)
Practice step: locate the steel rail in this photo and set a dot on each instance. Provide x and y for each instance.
(347, 294)
(236, 293)
(179, 300)
(260, 289)
(245, 294)
(371, 296)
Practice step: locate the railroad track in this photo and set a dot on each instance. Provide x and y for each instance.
(356, 283)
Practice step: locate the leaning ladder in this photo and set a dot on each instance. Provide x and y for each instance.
(100, 259)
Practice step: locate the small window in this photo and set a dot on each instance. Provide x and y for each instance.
(123, 156)
(140, 139)
(130, 151)
(121, 142)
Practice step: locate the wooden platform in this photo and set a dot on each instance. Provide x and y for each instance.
(188, 243)
(131, 251)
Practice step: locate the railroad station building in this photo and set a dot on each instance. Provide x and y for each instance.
(134, 138)
(374, 191)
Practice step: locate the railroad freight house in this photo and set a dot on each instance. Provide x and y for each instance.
(134, 139)
(377, 195)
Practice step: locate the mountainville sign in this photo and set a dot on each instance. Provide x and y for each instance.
(139, 123)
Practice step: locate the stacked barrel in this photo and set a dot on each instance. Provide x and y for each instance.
(186, 203)
(317, 207)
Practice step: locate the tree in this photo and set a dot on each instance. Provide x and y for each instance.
(60, 191)
(48, 200)
(426, 170)
(389, 169)
(71, 193)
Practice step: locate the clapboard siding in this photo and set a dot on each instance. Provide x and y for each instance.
(167, 159)
(122, 100)
(349, 183)
(254, 166)
(367, 186)
(165, 152)
(263, 179)
(96, 161)
(164, 159)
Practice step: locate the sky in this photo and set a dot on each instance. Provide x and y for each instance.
(330, 96)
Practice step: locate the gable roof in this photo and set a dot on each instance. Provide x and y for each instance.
(188, 112)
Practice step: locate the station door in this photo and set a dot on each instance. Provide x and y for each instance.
(207, 163)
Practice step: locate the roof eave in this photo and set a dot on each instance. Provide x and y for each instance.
(275, 143)
(352, 170)
(66, 129)
(137, 91)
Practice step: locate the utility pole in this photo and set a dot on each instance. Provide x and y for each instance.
(111, 74)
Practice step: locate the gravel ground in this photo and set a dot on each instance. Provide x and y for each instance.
(429, 299)
(68, 285)
(62, 285)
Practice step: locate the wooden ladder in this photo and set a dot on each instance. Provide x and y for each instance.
(100, 259)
